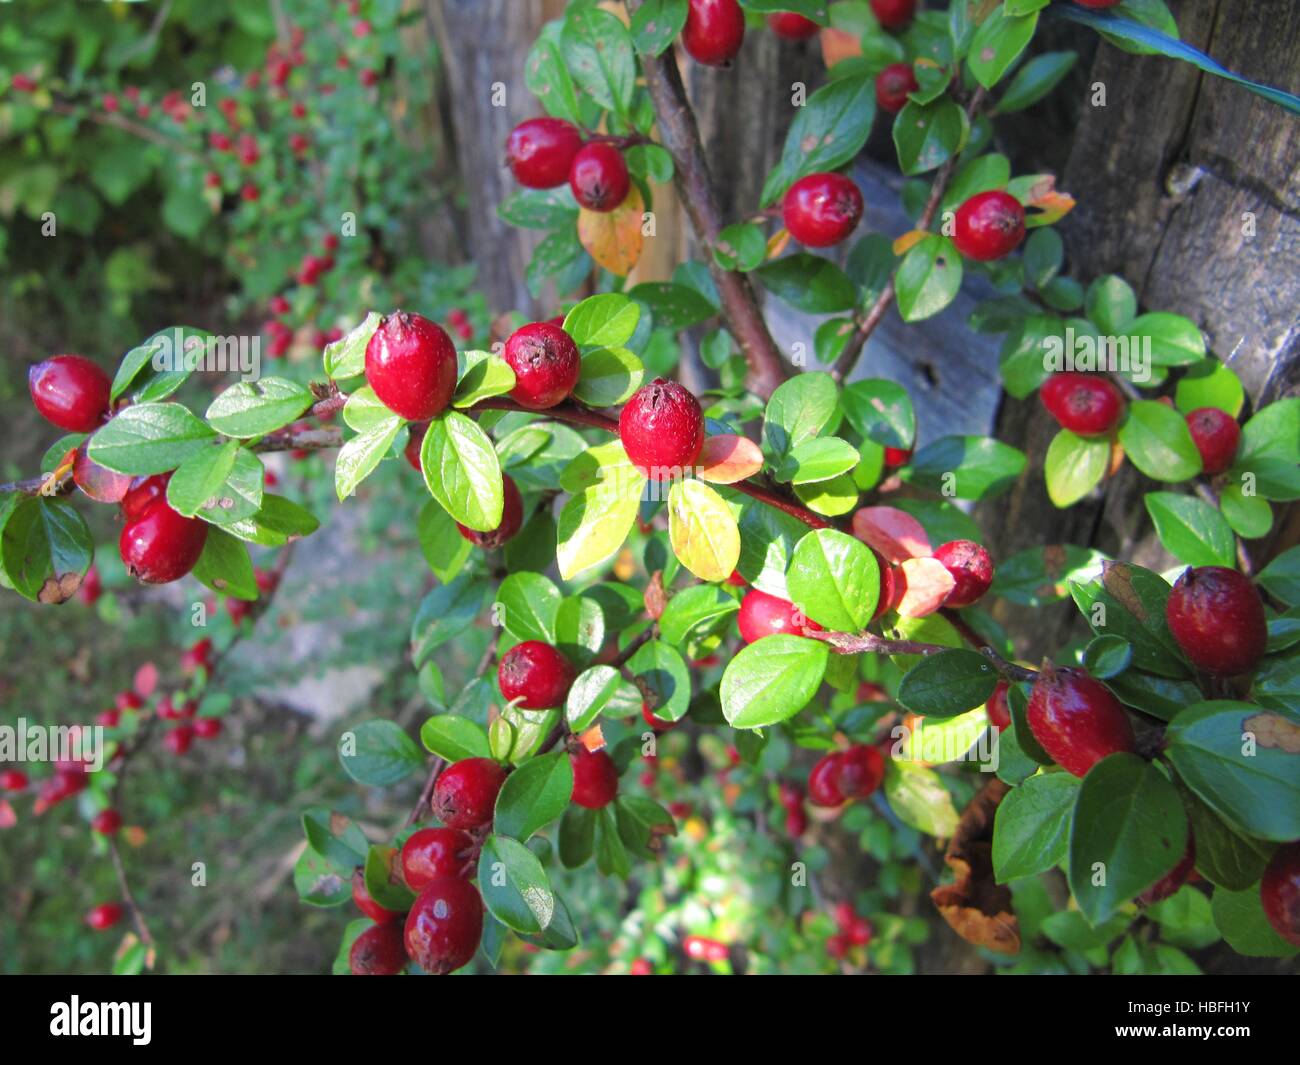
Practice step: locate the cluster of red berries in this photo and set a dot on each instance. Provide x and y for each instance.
(842, 776)
(792, 798)
(544, 153)
(854, 931)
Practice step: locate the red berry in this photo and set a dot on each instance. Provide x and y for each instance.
(1098, 3)
(207, 728)
(1175, 878)
(824, 781)
(444, 926)
(379, 951)
(1077, 720)
(250, 193)
(546, 364)
(142, 494)
(160, 545)
(128, 700)
(862, 769)
(13, 780)
(298, 110)
(22, 83)
(893, 14)
(701, 948)
(540, 152)
(411, 365)
(433, 853)
(535, 673)
(111, 102)
(845, 915)
(790, 795)
(106, 822)
(837, 946)
(796, 823)
(792, 26)
(971, 569)
(248, 151)
(366, 904)
(989, 225)
(998, 707)
(595, 779)
(369, 78)
(279, 305)
(109, 718)
(466, 792)
(762, 615)
(104, 916)
(238, 609)
(91, 587)
(641, 967)
(267, 581)
(860, 932)
(512, 518)
(178, 740)
(70, 391)
(662, 429)
(598, 177)
(897, 456)
(1086, 404)
(220, 142)
(1217, 617)
(1279, 891)
(196, 657)
(330, 242)
(822, 209)
(415, 441)
(655, 722)
(892, 86)
(1215, 434)
(714, 31)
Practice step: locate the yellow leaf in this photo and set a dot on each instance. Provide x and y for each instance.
(777, 243)
(595, 522)
(614, 238)
(908, 241)
(702, 530)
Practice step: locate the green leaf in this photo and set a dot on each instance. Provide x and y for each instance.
(547, 78)
(579, 626)
(453, 737)
(948, 683)
(1223, 856)
(462, 471)
(828, 131)
(605, 321)
(1234, 756)
(981, 174)
(1282, 576)
(149, 438)
(445, 550)
(1074, 466)
(968, 467)
(881, 411)
(740, 247)
(917, 795)
(1106, 657)
(529, 605)
(1041, 575)
(927, 136)
(540, 208)
(335, 838)
(484, 375)
(997, 44)
(597, 49)
(673, 307)
(1044, 252)
(771, 680)
(577, 836)
(700, 607)
(164, 362)
(514, 885)
(383, 879)
(1111, 304)
(664, 671)
(835, 579)
(225, 566)
(1034, 80)
(808, 283)
(656, 24)
(594, 523)
(1129, 830)
(595, 691)
(608, 376)
(1175, 340)
(1209, 384)
(358, 458)
(560, 257)
(798, 410)
(254, 408)
(221, 484)
(928, 278)
(445, 613)
(1191, 530)
(364, 410)
(347, 357)
(45, 548)
(1273, 432)
(1240, 916)
(1157, 441)
(1130, 602)
(534, 795)
(379, 754)
(1031, 831)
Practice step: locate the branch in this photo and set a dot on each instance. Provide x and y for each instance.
(680, 135)
(867, 323)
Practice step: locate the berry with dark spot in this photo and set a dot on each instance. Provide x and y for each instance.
(714, 31)
(662, 429)
(1216, 435)
(599, 177)
(546, 364)
(536, 674)
(1077, 720)
(989, 226)
(1217, 617)
(971, 569)
(444, 926)
(466, 793)
(379, 951)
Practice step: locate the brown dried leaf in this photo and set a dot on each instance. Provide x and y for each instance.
(655, 598)
(59, 589)
(974, 904)
(1272, 730)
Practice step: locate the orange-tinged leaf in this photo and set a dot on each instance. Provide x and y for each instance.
(893, 533)
(927, 585)
(614, 238)
(727, 458)
(839, 44)
(593, 739)
(1052, 208)
(777, 243)
(909, 240)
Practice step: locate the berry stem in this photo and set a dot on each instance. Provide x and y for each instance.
(680, 135)
(868, 323)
